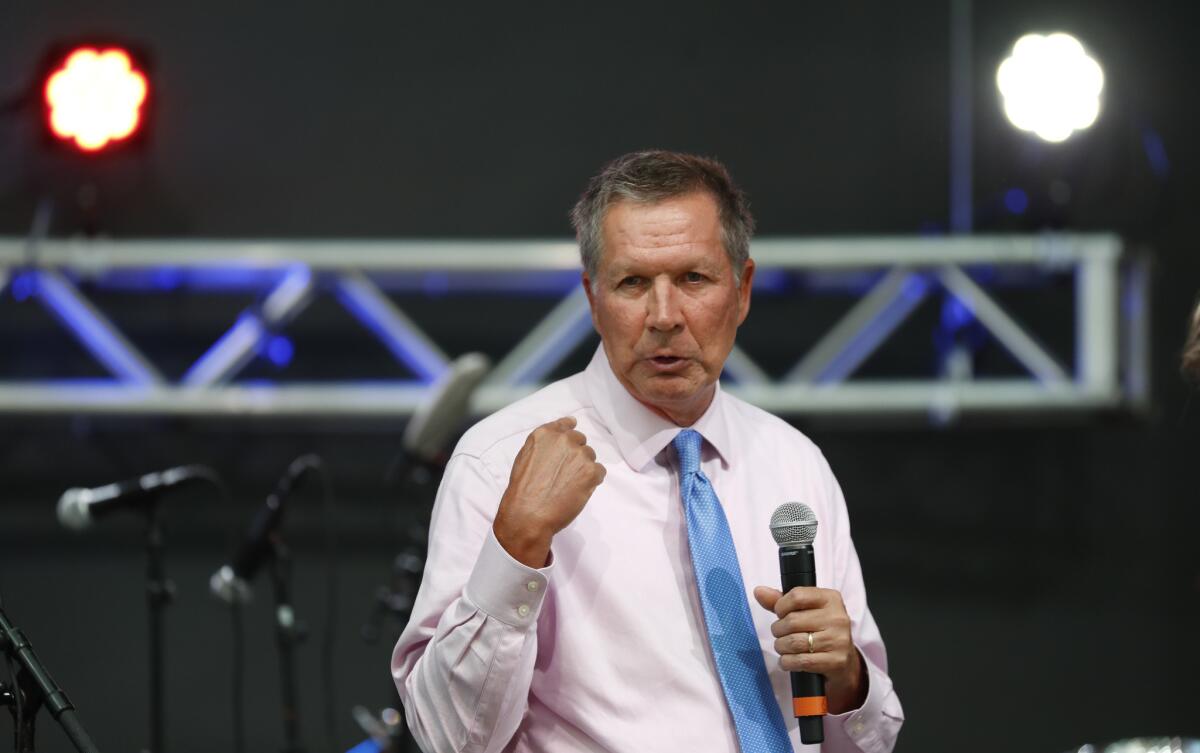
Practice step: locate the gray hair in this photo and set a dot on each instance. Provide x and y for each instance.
(1190, 361)
(653, 176)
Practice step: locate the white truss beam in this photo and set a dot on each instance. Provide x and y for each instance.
(1109, 369)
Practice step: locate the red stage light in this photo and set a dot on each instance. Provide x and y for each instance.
(95, 97)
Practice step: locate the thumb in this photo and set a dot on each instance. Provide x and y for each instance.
(766, 597)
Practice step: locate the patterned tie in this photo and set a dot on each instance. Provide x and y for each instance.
(731, 635)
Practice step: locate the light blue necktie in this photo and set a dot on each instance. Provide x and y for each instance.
(731, 635)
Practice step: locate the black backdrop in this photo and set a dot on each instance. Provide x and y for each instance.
(1037, 582)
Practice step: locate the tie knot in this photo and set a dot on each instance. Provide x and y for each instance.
(687, 446)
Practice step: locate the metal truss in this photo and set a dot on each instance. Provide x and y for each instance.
(1108, 371)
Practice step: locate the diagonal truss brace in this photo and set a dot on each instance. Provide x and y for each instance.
(241, 343)
(1011, 335)
(861, 331)
(393, 327)
(545, 347)
(94, 330)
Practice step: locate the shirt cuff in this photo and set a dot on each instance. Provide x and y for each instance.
(862, 724)
(505, 589)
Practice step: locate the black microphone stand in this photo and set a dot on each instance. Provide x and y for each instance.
(35, 688)
(288, 633)
(159, 594)
(418, 480)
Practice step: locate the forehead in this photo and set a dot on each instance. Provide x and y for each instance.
(679, 229)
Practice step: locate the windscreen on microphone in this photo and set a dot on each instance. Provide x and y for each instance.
(794, 524)
(437, 419)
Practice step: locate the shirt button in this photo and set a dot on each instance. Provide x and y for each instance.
(532, 585)
(856, 727)
(523, 610)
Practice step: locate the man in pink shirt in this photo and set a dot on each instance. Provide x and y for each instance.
(560, 610)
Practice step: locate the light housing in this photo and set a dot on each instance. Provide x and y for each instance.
(96, 97)
(1050, 86)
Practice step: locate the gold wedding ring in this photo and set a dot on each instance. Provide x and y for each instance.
(810, 643)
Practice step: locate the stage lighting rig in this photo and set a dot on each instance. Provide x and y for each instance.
(1050, 86)
(95, 97)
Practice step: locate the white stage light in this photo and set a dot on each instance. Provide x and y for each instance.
(1050, 86)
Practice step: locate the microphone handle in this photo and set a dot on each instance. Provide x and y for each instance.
(797, 567)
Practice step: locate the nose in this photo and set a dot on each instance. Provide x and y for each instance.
(663, 312)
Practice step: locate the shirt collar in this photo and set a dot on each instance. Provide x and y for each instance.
(640, 433)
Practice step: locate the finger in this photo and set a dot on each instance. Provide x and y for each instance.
(589, 453)
(801, 597)
(601, 472)
(828, 663)
(566, 422)
(800, 622)
(804, 643)
(577, 437)
(766, 597)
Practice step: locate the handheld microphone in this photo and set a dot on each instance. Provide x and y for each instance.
(794, 527)
(231, 583)
(77, 508)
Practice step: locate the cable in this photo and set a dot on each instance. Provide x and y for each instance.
(329, 632)
(239, 678)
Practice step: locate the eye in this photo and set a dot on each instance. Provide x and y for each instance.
(694, 277)
(630, 282)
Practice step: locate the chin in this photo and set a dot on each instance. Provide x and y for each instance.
(669, 391)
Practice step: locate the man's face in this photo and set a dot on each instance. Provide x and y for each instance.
(666, 302)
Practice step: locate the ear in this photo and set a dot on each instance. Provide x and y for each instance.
(744, 286)
(587, 289)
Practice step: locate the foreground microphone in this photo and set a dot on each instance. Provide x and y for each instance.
(231, 583)
(794, 527)
(77, 508)
(435, 422)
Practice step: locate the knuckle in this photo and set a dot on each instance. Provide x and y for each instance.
(799, 643)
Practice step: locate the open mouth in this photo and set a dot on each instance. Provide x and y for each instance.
(666, 360)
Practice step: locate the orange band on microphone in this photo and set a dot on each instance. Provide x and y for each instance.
(814, 705)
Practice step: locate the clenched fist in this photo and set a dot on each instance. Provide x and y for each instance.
(552, 478)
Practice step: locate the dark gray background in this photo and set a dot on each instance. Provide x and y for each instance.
(1036, 581)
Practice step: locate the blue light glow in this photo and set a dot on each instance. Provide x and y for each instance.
(168, 278)
(1016, 201)
(956, 313)
(23, 286)
(280, 350)
(1156, 153)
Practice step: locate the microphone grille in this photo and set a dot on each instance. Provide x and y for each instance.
(793, 524)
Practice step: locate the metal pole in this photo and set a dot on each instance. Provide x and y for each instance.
(158, 596)
(288, 632)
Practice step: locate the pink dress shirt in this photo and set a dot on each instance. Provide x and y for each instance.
(605, 648)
